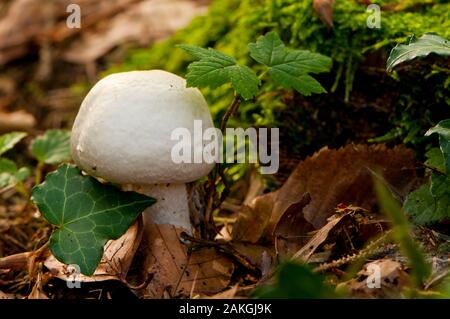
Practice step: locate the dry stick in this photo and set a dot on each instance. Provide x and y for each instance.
(218, 172)
(232, 109)
(433, 169)
(225, 248)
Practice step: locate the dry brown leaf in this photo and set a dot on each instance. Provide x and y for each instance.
(38, 292)
(258, 255)
(319, 238)
(142, 22)
(16, 121)
(330, 177)
(6, 296)
(291, 231)
(345, 175)
(26, 22)
(105, 24)
(15, 262)
(254, 219)
(176, 273)
(227, 294)
(324, 9)
(115, 263)
(393, 279)
(255, 187)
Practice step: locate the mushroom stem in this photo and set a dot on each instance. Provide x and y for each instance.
(171, 207)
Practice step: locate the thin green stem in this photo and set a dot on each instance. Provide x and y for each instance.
(232, 109)
(20, 187)
(38, 176)
(217, 172)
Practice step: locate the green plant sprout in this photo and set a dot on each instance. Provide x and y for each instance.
(430, 203)
(10, 174)
(421, 47)
(285, 67)
(51, 148)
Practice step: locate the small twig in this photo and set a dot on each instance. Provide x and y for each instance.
(213, 177)
(434, 169)
(232, 109)
(225, 248)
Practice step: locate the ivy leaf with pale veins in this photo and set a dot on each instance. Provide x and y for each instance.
(53, 147)
(7, 141)
(215, 69)
(443, 129)
(421, 47)
(290, 68)
(86, 214)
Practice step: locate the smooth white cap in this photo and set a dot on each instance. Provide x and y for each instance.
(122, 132)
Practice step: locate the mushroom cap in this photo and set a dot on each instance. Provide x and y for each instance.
(122, 132)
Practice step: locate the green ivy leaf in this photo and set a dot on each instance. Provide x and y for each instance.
(421, 47)
(290, 68)
(53, 147)
(215, 69)
(7, 141)
(443, 129)
(86, 215)
(10, 174)
(431, 202)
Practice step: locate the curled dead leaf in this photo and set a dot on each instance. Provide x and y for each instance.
(324, 9)
(330, 177)
(319, 238)
(384, 278)
(142, 22)
(16, 121)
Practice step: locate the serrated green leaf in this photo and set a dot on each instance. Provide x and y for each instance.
(290, 68)
(86, 214)
(421, 47)
(202, 53)
(431, 202)
(53, 147)
(7, 141)
(215, 69)
(10, 175)
(443, 130)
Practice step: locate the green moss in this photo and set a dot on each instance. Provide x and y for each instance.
(231, 24)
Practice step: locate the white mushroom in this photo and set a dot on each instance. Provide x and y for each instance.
(122, 133)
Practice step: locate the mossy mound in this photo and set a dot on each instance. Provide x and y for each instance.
(363, 103)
